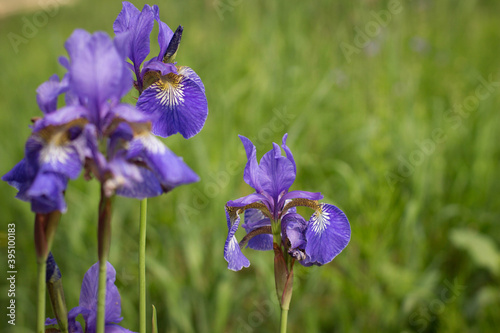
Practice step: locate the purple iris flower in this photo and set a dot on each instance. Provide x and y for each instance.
(53, 155)
(271, 217)
(87, 306)
(174, 96)
(69, 139)
(141, 165)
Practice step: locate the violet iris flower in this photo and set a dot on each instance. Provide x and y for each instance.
(173, 95)
(87, 306)
(69, 139)
(270, 214)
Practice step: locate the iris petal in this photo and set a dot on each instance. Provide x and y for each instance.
(328, 233)
(254, 219)
(88, 296)
(288, 152)
(61, 117)
(170, 169)
(132, 181)
(191, 74)
(20, 177)
(177, 104)
(47, 93)
(251, 173)
(94, 64)
(58, 149)
(232, 252)
(47, 193)
(246, 200)
(164, 33)
(276, 173)
(294, 226)
(139, 26)
(126, 18)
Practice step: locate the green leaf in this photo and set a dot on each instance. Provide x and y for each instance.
(154, 327)
(481, 248)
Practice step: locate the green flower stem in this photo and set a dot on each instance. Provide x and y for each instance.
(103, 245)
(45, 227)
(283, 276)
(142, 266)
(40, 306)
(283, 320)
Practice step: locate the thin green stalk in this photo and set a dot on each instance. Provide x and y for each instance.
(45, 227)
(40, 306)
(101, 297)
(142, 266)
(103, 245)
(283, 320)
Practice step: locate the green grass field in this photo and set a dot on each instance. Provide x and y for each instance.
(393, 116)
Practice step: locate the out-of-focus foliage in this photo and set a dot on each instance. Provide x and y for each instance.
(402, 134)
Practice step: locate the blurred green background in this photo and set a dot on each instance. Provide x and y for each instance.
(392, 113)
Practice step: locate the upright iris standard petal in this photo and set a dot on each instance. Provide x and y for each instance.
(177, 104)
(328, 233)
(164, 33)
(232, 252)
(139, 26)
(251, 173)
(126, 19)
(276, 173)
(288, 152)
(95, 63)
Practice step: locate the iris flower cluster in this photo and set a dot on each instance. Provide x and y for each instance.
(86, 127)
(112, 141)
(116, 143)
